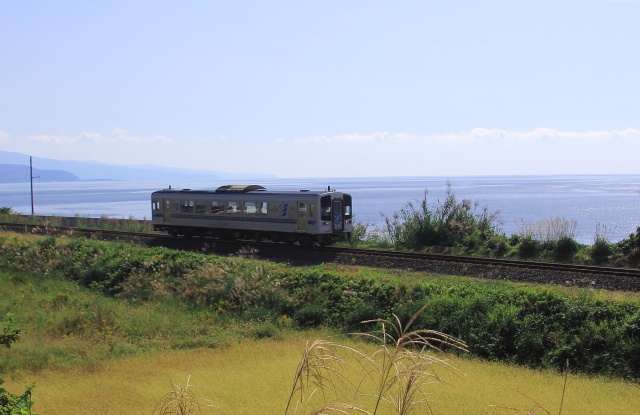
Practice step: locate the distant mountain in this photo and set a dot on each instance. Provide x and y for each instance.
(68, 170)
(16, 173)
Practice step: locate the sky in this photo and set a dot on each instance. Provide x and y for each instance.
(361, 88)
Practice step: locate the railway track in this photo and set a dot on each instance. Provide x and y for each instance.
(498, 262)
(586, 276)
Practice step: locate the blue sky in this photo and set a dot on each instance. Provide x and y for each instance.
(326, 88)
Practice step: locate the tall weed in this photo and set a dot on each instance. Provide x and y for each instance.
(446, 224)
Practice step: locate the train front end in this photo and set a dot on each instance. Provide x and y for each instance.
(336, 216)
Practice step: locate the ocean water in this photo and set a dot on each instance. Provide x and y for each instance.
(610, 203)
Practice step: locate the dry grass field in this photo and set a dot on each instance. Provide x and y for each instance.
(255, 377)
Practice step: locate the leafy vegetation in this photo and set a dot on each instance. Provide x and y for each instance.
(537, 327)
(11, 404)
(463, 227)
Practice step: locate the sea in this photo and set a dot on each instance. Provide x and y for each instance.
(605, 205)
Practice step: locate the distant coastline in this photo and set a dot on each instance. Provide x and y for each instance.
(14, 168)
(15, 173)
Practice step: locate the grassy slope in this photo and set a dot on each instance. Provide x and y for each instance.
(92, 373)
(84, 349)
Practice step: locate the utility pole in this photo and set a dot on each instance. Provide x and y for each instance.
(31, 177)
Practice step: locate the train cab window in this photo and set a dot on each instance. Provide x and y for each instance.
(250, 208)
(347, 206)
(199, 207)
(232, 207)
(186, 206)
(217, 207)
(325, 208)
(155, 205)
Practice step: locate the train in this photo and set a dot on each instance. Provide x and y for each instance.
(252, 212)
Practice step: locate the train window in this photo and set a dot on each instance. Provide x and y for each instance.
(199, 207)
(217, 207)
(263, 208)
(250, 208)
(347, 206)
(186, 206)
(325, 208)
(232, 207)
(312, 210)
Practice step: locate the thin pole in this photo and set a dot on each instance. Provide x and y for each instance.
(31, 177)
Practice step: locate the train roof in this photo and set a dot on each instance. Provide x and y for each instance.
(246, 189)
(240, 188)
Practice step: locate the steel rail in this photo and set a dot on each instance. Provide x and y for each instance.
(497, 262)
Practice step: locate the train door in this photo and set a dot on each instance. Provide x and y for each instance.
(338, 220)
(166, 211)
(303, 216)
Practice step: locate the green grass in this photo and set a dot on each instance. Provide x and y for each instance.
(534, 326)
(66, 325)
(92, 354)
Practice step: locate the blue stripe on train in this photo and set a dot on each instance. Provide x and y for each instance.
(233, 218)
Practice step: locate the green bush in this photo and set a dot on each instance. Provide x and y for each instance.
(535, 327)
(600, 251)
(447, 224)
(565, 247)
(11, 404)
(528, 247)
(630, 248)
(310, 315)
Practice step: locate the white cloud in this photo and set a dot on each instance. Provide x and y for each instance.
(91, 137)
(51, 139)
(377, 136)
(118, 136)
(123, 136)
(546, 133)
(478, 134)
(5, 136)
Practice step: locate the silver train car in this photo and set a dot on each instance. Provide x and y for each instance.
(252, 212)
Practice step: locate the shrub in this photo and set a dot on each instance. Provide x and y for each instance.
(447, 224)
(359, 233)
(565, 248)
(600, 251)
(630, 247)
(528, 247)
(310, 315)
(265, 330)
(10, 403)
